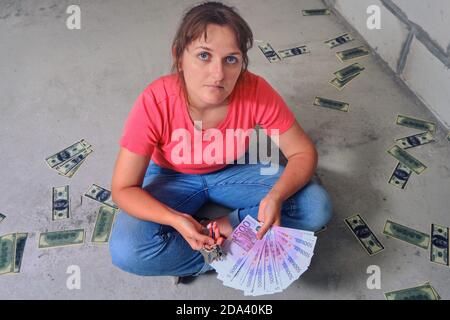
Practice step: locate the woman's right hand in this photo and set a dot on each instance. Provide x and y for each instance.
(191, 230)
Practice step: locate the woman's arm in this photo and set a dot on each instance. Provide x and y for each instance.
(128, 194)
(301, 154)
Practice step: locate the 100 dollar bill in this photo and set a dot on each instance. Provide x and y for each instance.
(407, 159)
(316, 12)
(331, 104)
(340, 84)
(7, 253)
(364, 235)
(415, 123)
(340, 40)
(439, 245)
(103, 224)
(400, 176)
(61, 238)
(67, 153)
(21, 239)
(349, 71)
(423, 292)
(269, 52)
(292, 52)
(352, 53)
(60, 203)
(415, 140)
(101, 195)
(406, 234)
(2, 217)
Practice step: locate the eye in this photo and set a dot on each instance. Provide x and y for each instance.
(203, 56)
(231, 59)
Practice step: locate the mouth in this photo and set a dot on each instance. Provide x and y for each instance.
(214, 86)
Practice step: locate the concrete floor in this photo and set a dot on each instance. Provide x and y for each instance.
(58, 86)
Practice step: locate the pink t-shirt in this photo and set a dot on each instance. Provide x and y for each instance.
(159, 125)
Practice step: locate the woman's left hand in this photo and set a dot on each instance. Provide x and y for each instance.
(269, 213)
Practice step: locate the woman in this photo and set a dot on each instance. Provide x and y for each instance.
(164, 173)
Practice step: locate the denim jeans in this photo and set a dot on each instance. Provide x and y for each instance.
(149, 249)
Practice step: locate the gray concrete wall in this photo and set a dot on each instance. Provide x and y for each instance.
(414, 41)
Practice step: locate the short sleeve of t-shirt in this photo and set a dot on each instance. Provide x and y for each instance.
(142, 130)
(270, 110)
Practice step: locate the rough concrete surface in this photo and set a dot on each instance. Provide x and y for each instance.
(58, 86)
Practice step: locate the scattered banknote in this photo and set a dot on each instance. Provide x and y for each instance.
(60, 203)
(316, 12)
(21, 239)
(292, 52)
(2, 217)
(349, 71)
(67, 161)
(423, 292)
(12, 247)
(352, 53)
(61, 238)
(331, 104)
(415, 140)
(101, 195)
(448, 136)
(7, 253)
(340, 84)
(269, 52)
(264, 266)
(365, 236)
(103, 224)
(439, 244)
(407, 159)
(415, 123)
(342, 39)
(400, 176)
(406, 234)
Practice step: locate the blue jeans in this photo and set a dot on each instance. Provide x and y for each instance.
(150, 249)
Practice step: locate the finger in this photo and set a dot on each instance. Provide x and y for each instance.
(263, 230)
(205, 240)
(220, 241)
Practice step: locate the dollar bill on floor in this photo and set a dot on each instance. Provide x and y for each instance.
(71, 173)
(61, 238)
(438, 297)
(21, 239)
(407, 159)
(415, 140)
(2, 217)
(7, 253)
(340, 84)
(364, 234)
(67, 153)
(400, 176)
(60, 203)
(423, 292)
(415, 123)
(269, 52)
(101, 195)
(75, 162)
(103, 224)
(331, 104)
(439, 244)
(292, 52)
(349, 71)
(340, 40)
(404, 233)
(448, 136)
(316, 12)
(352, 53)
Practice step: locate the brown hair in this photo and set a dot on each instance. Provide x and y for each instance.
(194, 25)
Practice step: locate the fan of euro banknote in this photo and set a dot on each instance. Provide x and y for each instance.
(264, 266)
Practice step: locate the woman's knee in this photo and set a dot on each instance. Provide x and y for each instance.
(129, 250)
(314, 207)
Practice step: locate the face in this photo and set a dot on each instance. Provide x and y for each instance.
(211, 68)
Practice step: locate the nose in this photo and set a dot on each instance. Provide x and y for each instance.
(217, 71)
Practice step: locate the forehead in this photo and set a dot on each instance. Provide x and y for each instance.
(216, 36)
